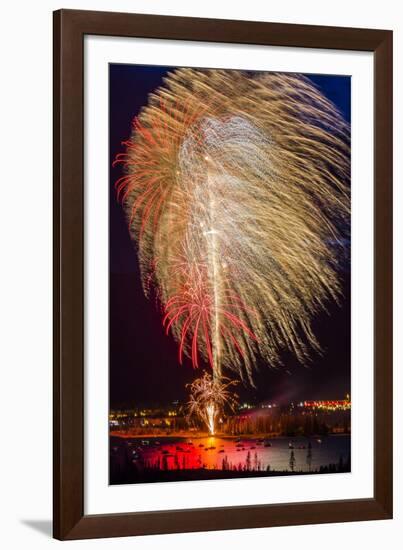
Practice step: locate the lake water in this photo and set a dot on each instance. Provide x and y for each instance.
(217, 453)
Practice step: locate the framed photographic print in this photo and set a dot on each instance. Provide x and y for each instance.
(222, 274)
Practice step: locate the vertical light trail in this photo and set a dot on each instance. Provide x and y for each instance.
(210, 413)
(213, 257)
(213, 254)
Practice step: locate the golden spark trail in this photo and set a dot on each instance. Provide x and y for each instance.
(211, 236)
(236, 188)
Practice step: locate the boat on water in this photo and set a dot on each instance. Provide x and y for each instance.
(290, 445)
(267, 444)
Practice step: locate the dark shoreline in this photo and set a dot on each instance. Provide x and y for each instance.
(201, 435)
(201, 474)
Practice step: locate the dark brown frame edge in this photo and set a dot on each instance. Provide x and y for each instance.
(70, 26)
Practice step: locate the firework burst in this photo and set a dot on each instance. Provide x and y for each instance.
(236, 194)
(209, 396)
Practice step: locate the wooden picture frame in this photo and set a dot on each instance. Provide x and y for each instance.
(70, 27)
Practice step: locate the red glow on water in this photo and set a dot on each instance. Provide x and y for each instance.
(207, 453)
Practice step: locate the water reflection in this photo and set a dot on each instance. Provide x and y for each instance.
(280, 454)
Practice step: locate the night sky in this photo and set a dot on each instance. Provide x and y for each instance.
(144, 368)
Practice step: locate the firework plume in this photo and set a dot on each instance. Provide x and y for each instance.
(236, 192)
(208, 398)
